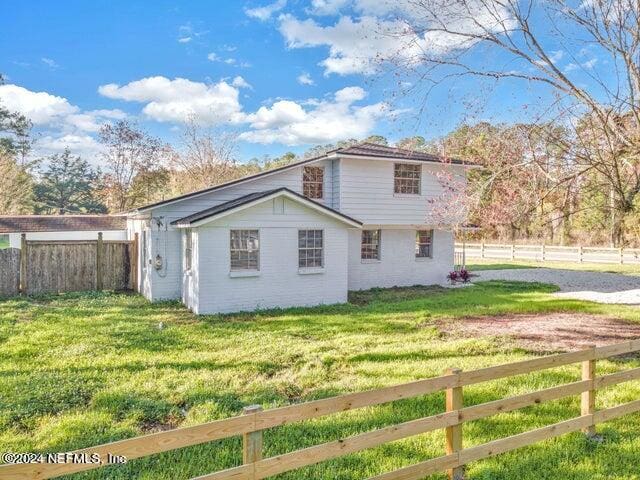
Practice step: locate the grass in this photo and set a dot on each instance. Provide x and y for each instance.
(81, 369)
(477, 264)
(4, 241)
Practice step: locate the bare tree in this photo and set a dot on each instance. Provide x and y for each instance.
(206, 159)
(130, 154)
(525, 40)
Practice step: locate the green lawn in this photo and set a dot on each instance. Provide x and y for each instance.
(4, 241)
(83, 369)
(494, 264)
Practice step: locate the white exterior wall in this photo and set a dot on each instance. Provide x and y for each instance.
(167, 284)
(14, 238)
(398, 265)
(280, 283)
(367, 192)
(191, 278)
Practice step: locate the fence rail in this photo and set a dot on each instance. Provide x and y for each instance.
(252, 424)
(543, 253)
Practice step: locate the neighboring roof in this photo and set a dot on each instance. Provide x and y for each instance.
(360, 150)
(61, 223)
(245, 201)
(383, 151)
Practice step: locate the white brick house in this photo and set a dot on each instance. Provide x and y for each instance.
(303, 234)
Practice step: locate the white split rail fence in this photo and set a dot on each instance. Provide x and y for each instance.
(549, 253)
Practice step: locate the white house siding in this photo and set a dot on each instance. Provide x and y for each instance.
(14, 238)
(367, 192)
(398, 265)
(291, 179)
(279, 284)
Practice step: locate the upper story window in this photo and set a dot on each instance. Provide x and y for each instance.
(245, 250)
(313, 182)
(424, 244)
(310, 249)
(406, 178)
(188, 249)
(370, 248)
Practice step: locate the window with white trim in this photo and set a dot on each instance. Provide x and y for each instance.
(245, 250)
(313, 182)
(188, 249)
(406, 178)
(310, 249)
(424, 243)
(370, 248)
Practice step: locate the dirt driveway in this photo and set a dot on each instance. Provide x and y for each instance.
(546, 332)
(593, 286)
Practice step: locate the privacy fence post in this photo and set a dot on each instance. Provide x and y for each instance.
(621, 255)
(481, 249)
(588, 401)
(513, 252)
(454, 401)
(23, 263)
(252, 441)
(543, 251)
(99, 256)
(580, 254)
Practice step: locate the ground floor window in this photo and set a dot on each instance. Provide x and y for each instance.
(245, 249)
(370, 248)
(310, 249)
(424, 243)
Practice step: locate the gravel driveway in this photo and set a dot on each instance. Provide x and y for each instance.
(594, 286)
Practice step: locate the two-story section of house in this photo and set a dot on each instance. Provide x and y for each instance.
(300, 235)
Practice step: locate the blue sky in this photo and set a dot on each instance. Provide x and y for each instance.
(284, 75)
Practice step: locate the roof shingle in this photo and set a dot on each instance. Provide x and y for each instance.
(61, 223)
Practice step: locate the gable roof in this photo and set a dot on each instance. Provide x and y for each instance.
(365, 149)
(246, 201)
(61, 223)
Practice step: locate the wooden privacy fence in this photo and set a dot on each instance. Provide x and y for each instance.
(252, 424)
(44, 266)
(9, 272)
(542, 253)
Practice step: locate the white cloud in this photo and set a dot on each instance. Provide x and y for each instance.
(180, 99)
(83, 145)
(324, 121)
(49, 62)
(213, 57)
(41, 107)
(359, 45)
(588, 65)
(305, 79)
(184, 39)
(240, 82)
(327, 7)
(265, 13)
(60, 124)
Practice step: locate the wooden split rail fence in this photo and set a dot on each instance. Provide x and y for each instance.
(252, 424)
(545, 253)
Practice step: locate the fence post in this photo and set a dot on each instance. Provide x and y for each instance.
(23, 263)
(621, 255)
(580, 254)
(588, 400)
(481, 249)
(252, 441)
(513, 252)
(543, 252)
(454, 401)
(99, 255)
